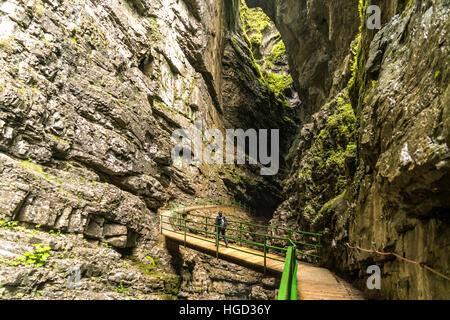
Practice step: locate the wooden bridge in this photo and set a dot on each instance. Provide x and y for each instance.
(311, 282)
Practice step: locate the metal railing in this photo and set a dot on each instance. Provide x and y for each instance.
(243, 232)
(283, 241)
(288, 284)
(204, 228)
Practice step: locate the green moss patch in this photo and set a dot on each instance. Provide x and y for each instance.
(277, 54)
(334, 143)
(278, 83)
(254, 22)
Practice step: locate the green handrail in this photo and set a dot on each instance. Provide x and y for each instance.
(288, 285)
(240, 240)
(259, 225)
(314, 238)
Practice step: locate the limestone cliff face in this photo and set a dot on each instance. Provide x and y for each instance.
(90, 96)
(317, 35)
(257, 95)
(385, 185)
(90, 93)
(401, 100)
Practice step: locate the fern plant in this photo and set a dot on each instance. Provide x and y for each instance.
(38, 257)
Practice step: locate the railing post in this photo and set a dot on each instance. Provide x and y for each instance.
(206, 228)
(319, 253)
(293, 291)
(217, 241)
(265, 255)
(185, 232)
(240, 234)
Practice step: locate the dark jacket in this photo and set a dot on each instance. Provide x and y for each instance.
(223, 223)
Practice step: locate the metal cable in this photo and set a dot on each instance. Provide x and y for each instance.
(421, 264)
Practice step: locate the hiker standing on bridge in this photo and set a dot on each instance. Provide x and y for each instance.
(221, 223)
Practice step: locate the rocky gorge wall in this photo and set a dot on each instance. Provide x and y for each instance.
(90, 93)
(369, 166)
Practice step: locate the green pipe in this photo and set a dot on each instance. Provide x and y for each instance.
(285, 285)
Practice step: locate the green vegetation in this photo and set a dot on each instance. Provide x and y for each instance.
(121, 289)
(152, 262)
(305, 173)
(171, 283)
(38, 257)
(357, 47)
(168, 297)
(55, 233)
(39, 9)
(370, 89)
(233, 174)
(8, 224)
(256, 67)
(277, 53)
(325, 162)
(255, 21)
(437, 74)
(58, 139)
(147, 267)
(278, 83)
(341, 127)
(333, 143)
(325, 209)
(34, 166)
(359, 82)
(154, 33)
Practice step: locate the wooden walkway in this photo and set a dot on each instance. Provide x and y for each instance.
(314, 283)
